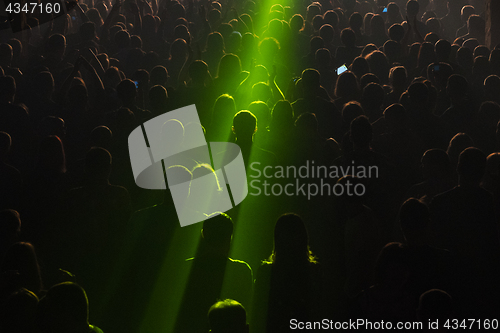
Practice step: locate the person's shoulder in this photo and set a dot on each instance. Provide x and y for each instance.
(9, 170)
(117, 189)
(441, 197)
(239, 263)
(94, 329)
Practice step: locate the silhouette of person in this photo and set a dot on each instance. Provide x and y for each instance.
(465, 223)
(65, 308)
(430, 267)
(244, 128)
(18, 312)
(286, 286)
(213, 275)
(437, 173)
(10, 177)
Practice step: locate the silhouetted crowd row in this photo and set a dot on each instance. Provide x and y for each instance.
(408, 87)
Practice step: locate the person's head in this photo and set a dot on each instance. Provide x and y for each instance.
(367, 79)
(466, 12)
(379, 65)
(261, 112)
(323, 58)
(310, 82)
(296, 23)
(21, 257)
(6, 54)
(64, 307)
(435, 305)
(181, 31)
(366, 23)
(317, 22)
(471, 166)
(356, 21)
(326, 33)
(268, 48)
(476, 25)
(435, 164)
(98, 163)
(443, 50)
(398, 77)
(426, 55)
(282, 116)
(7, 89)
(5, 144)
(44, 84)
(434, 25)
(87, 31)
(412, 8)
(348, 37)
(291, 241)
(331, 18)
(395, 118)
(393, 12)
(51, 157)
(481, 50)
(457, 144)
(227, 316)
(261, 92)
(369, 48)
(361, 132)
(158, 99)
(457, 87)
(56, 46)
(10, 226)
(359, 66)
(491, 87)
(391, 268)
(414, 218)
(392, 50)
(313, 10)
(179, 50)
(217, 231)
(127, 92)
(307, 124)
(351, 111)
(159, 75)
(101, 136)
(377, 26)
(244, 124)
(347, 85)
(396, 32)
(215, 42)
(493, 164)
(224, 107)
(481, 68)
(373, 97)
(122, 39)
(229, 67)
(315, 44)
(95, 17)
